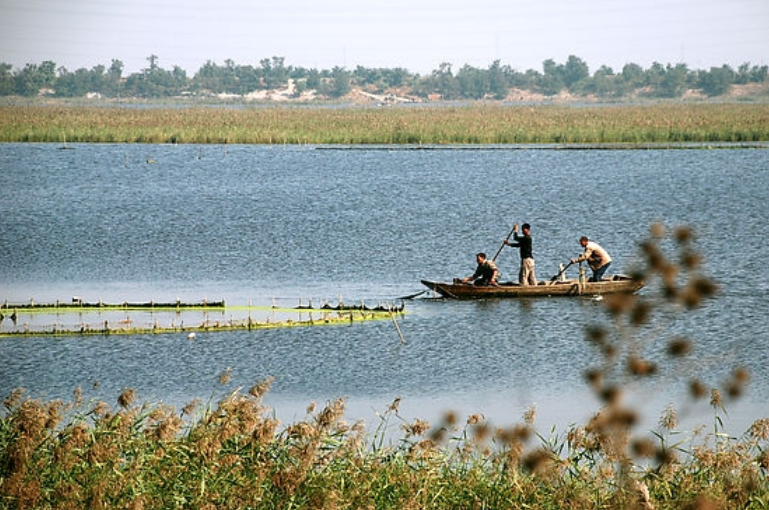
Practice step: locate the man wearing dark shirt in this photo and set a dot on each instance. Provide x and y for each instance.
(526, 275)
(486, 273)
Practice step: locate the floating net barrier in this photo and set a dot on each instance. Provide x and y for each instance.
(88, 318)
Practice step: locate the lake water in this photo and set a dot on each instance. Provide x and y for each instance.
(276, 225)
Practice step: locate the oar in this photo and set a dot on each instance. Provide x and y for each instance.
(503, 243)
(554, 278)
(412, 296)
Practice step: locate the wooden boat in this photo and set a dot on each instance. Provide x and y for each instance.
(568, 288)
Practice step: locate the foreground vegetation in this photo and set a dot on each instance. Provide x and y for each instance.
(641, 124)
(235, 455)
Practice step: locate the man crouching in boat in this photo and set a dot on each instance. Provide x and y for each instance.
(597, 258)
(485, 274)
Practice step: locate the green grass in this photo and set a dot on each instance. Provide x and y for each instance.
(497, 124)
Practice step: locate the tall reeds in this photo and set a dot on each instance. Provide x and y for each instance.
(235, 454)
(665, 123)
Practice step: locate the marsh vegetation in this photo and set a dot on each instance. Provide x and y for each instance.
(492, 124)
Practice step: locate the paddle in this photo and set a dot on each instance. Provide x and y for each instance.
(554, 278)
(412, 296)
(504, 242)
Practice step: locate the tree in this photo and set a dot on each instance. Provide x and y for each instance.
(274, 72)
(717, 81)
(155, 81)
(551, 81)
(249, 79)
(631, 78)
(113, 80)
(575, 72)
(71, 84)
(746, 74)
(153, 60)
(674, 81)
(498, 85)
(604, 82)
(47, 72)
(759, 74)
(6, 79)
(470, 82)
(340, 82)
(313, 79)
(397, 77)
(445, 83)
(473, 83)
(27, 81)
(633, 74)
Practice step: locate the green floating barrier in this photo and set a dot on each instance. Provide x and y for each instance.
(118, 324)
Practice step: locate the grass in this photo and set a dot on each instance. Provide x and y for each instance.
(493, 124)
(235, 455)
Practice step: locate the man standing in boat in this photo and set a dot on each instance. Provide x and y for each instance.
(485, 274)
(597, 258)
(526, 275)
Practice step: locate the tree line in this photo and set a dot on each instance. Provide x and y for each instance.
(494, 82)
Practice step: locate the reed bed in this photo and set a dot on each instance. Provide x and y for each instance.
(446, 125)
(234, 454)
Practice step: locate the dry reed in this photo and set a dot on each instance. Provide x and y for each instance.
(493, 124)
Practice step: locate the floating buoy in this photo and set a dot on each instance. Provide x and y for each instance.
(191, 336)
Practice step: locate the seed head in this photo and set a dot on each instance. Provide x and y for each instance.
(576, 437)
(126, 398)
(475, 419)
(715, 399)
(683, 234)
(450, 418)
(697, 389)
(640, 367)
(225, 376)
(736, 385)
(679, 346)
(596, 334)
(260, 389)
(594, 377)
(691, 260)
(481, 432)
(644, 448)
(611, 395)
(618, 304)
(190, 408)
(530, 416)
(538, 461)
(760, 429)
(640, 313)
(669, 418)
(417, 428)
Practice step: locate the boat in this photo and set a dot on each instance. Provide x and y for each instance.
(616, 284)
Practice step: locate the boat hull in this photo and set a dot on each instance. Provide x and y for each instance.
(618, 284)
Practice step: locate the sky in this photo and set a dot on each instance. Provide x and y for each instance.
(419, 35)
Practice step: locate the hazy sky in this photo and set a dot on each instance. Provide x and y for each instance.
(419, 35)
